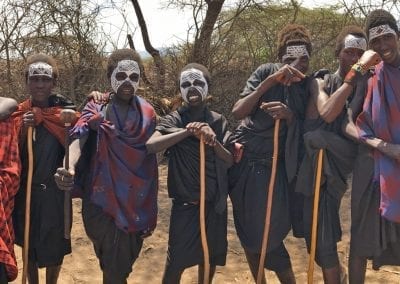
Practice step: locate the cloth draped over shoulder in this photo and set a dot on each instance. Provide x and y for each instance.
(123, 177)
(10, 169)
(340, 152)
(50, 117)
(380, 118)
(184, 160)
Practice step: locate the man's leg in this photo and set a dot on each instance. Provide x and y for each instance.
(201, 273)
(253, 259)
(33, 272)
(52, 273)
(357, 268)
(110, 278)
(331, 275)
(171, 275)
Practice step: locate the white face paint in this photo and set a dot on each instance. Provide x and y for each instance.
(295, 51)
(40, 69)
(352, 41)
(193, 79)
(380, 30)
(122, 73)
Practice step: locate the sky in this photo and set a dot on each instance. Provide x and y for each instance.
(166, 26)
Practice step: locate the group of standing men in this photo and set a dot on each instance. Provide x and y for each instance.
(352, 114)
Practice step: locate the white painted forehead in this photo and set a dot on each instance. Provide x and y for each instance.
(40, 69)
(192, 74)
(352, 41)
(128, 66)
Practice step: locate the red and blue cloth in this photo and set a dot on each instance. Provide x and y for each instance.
(380, 118)
(124, 177)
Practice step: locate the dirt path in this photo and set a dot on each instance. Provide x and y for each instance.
(82, 265)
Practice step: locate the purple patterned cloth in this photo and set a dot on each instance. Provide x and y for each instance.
(124, 177)
(380, 118)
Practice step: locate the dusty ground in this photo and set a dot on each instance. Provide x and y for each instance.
(82, 266)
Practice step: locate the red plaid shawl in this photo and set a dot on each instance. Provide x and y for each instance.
(9, 181)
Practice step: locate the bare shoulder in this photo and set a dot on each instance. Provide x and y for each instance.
(7, 106)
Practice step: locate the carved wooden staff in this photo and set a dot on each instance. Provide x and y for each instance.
(314, 227)
(271, 185)
(67, 116)
(202, 211)
(25, 258)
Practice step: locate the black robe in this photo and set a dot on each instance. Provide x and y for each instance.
(249, 178)
(184, 244)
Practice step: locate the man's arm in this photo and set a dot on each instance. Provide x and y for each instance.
(330, 107)
(7, 106)
(158, 142)
(286, 75)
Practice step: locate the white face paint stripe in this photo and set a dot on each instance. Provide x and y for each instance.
(128, 67)
(380, 30)
(295, 51)
(352, 41)
(189, 76)
(40, 69)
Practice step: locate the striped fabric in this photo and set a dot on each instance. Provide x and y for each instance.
(9, 182)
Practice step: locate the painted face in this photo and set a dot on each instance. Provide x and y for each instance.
(193, 82)
(352, 50)
(40, 82)
(127, 71)
(294, 52)
(384, 40)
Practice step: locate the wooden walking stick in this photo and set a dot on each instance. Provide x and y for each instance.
(314, 227)
(28, 204)
(271, 185)
(67, 116)
(202, 211)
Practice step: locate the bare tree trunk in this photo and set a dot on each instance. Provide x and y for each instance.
(142, 71)
(201, 48)
(150, 49)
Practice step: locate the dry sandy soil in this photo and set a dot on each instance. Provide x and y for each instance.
(82, 266)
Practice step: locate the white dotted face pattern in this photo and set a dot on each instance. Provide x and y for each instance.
(352, 41)
(380, 30)
(193, 78)
(128, 67)
(40, 69)
(295, 51)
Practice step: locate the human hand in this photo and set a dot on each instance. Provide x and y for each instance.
(199, 129)
(64, 179)
(287, 75)
(390, 150)
(368, 59)
(99, 97)
(28, 119)
(277, 110)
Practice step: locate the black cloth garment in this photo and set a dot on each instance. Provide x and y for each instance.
(47, 245)
(116, 250)
(372, 236)
(339, 155)
(184, 245)
(249, 178)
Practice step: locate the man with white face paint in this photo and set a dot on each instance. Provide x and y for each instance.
(178, 133)
(326, 109)
(41, 110)
(274, 91)
(116, 175)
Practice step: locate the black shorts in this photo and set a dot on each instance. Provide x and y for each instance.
(115, 249)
